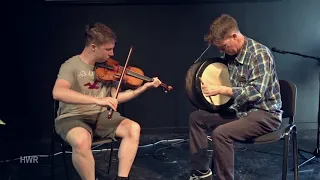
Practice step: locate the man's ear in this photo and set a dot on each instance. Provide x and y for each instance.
(234, 36)
(93, 47)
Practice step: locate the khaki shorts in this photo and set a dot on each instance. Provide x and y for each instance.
(104, 128)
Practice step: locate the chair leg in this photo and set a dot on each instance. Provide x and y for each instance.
(65, 160)
(285, 157)
(212, 165)
(295, 152)
(110, 157)
(52, 158)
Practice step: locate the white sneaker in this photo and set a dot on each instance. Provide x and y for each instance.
(198, 175)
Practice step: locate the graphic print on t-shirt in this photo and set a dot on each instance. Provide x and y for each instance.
(92, 87)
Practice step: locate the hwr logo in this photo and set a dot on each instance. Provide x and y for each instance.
(29, 159)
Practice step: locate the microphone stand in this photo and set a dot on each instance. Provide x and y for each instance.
(316, 152)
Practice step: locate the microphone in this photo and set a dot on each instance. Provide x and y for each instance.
(278, 50)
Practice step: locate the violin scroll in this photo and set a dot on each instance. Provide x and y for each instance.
(166, 88)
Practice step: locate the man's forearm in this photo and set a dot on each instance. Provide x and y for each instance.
(130, 94)
(69, 96)
(227, 91)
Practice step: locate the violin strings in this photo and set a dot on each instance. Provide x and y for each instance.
(140, 76)
(130, 72)
(145, 78)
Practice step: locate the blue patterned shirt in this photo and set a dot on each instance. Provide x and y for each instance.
(254, 80)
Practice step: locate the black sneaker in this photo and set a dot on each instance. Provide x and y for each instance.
(197, 175)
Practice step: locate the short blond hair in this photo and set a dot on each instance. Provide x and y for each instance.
(221, 28)
(99, 34)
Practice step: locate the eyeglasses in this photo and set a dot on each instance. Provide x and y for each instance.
(225, 45)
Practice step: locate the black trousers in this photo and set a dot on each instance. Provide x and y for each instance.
(225, 129)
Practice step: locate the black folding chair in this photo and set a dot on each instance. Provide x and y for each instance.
(56, 138)
(286, 131)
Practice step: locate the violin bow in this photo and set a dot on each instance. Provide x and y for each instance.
(120, 81)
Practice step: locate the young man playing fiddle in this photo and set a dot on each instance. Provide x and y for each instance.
(257, 101)
(83, 111)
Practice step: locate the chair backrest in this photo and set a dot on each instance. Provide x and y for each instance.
(288, 92)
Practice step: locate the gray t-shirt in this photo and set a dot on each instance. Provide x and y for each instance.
(81, 76)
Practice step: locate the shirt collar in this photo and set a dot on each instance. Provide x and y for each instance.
(240, 57)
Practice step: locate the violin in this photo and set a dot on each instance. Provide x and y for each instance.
(134, 77)
(111, 70)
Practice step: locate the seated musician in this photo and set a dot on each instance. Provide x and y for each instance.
(257, 101)
(83, 111)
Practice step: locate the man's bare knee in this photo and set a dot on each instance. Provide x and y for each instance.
(134, 130)
(129, 128)
(79, 139)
